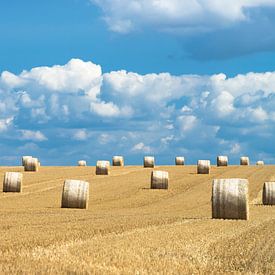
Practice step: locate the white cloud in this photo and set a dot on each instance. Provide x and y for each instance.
(80, 134)
(142, 148)
(32, 135)
(5, 123)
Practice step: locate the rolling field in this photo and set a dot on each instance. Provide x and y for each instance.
(131, 229)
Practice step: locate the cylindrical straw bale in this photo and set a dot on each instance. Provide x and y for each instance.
(102, 167)
(82, 163)
(118, 161)
(12, 182)
(31, 164)
(230, 199)
(159, 180)
(260, 162)
(269, 193)
(179, 160)
(24, 158)
(149, 162)
(244, 161)
(75, 194)
(222, 161)
(203, 167)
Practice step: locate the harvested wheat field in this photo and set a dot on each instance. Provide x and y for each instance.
(131, 229)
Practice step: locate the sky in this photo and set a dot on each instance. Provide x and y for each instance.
(90, 79)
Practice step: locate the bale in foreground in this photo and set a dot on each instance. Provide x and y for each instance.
(12, 182)
(230, 199)
(31, 164)
(149, 162)
(82, 163)
(222, 161)
(102, 167)
(244, 161)
(269, 193)
(179, 160)
(75, 194)
(118, 161)
(203, 167)
(159, 180)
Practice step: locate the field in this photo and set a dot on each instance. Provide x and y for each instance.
(131, 229)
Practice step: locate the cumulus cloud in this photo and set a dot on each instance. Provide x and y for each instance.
(198, 116)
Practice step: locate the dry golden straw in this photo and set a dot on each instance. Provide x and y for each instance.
(269, 193)
(203, 167)
(12, 182)
(149, 162)
(179, 160)
(118, 161)
(24, 158)
(31, 164)
(102, 167)
(82, 163)
(75, 194)
(230, 199)
(244, 161)
(222, 161)
(159, 180)
(260, 162)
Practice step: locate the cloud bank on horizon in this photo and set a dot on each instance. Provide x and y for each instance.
(72, 111)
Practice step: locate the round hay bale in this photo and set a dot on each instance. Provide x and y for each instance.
(203, 167)
(118, 161)
(159, 180)
(102, 167)
(179, 160)
(82, 163)
(75, 194)
(31, 164)
(269, 193)
(244, 161)
(260, 162)
(12, 182)
(222, 161)
(149, 162)
(24, 158)
(230, 199)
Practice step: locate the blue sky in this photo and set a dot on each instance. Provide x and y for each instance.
(89, 79)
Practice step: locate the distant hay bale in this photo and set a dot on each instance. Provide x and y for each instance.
(102, 167)
(159, 180)
(269, 193)
(82, 163)
(203, 167)
(75, 194)
(260, 162)
(12, 182)
(244, 161)
(149, 162)
(24, 158)
(222, 161)
(31, 164)
(179, 160)
(230, 199)
(118, 161)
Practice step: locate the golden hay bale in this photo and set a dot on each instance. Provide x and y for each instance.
(75, 194)
(222, 161)
(149, 162)
(179, 160)
(102, 167)
(118, 161)
(12, 182)
(260, 162)
(31, 164)
(230, 199)
(159, 180)
(269, 193)
(203, 167)
(82, 163)
(244, 161)
(24, 158)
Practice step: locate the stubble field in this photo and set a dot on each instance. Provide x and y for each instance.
(131, 229)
